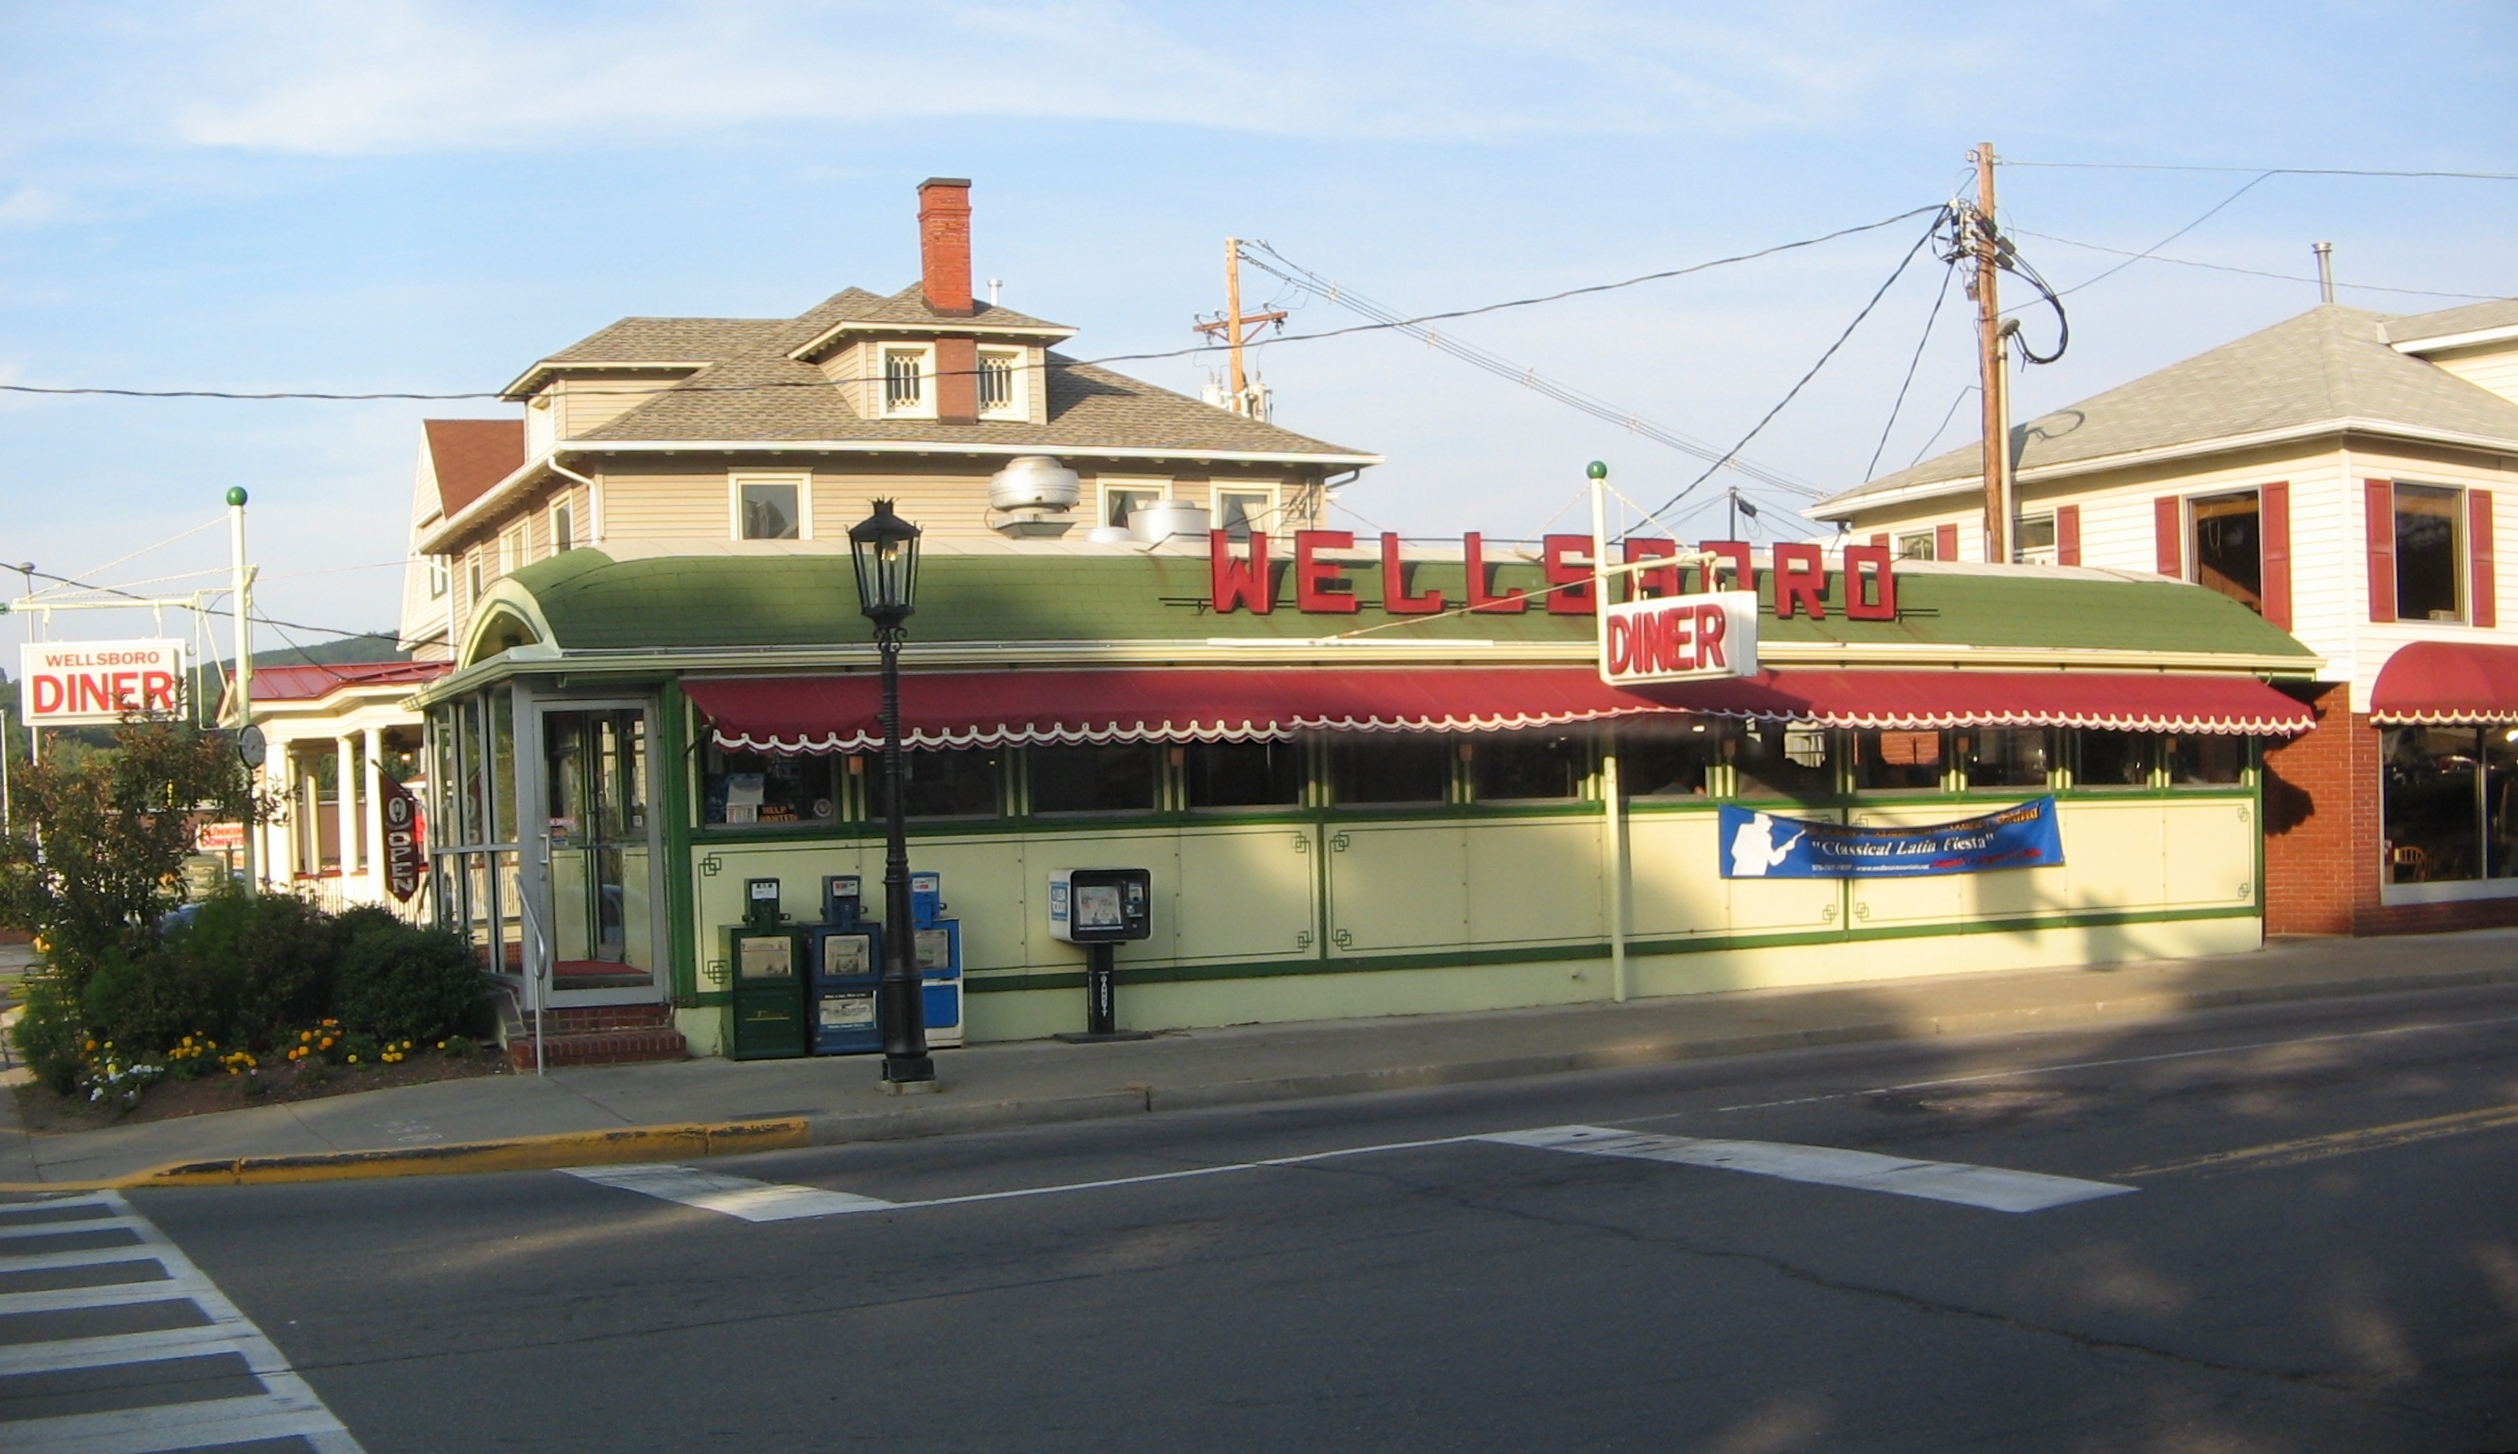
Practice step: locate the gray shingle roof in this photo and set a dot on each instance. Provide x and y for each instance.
(907, 309)
(2448, 322)
(2324, 366)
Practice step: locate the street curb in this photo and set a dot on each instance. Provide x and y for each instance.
(520, 1153)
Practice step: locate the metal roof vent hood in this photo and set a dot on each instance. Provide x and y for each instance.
(1036, 496)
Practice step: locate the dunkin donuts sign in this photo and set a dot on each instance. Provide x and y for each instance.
(71, 683)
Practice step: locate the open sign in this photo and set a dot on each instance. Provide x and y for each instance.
(73, 683)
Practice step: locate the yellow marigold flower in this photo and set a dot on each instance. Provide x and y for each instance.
(354, 1060)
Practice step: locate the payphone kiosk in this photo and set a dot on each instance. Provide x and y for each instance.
(1097, 908)
(764, 958)
(937, 943)
(844, 964)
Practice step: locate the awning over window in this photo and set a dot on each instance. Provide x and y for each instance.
(994, 709)
(2447, 682)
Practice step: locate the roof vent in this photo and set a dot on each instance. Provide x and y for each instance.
(1034, 494)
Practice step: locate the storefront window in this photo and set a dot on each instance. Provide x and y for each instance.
(2431, 804)
(1668, 761)
(1776, 760)
(2104, 759)
(1245, 774)
(2002, 757)
(2500, 801)
(1890, 760)
(964, 783)
(749, 789)
(1395, 768)
(1093, 779)
(2206, 760)
(1510, 766)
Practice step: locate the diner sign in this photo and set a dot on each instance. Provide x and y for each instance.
(71, 683)
(1768, 845)
(1680, 638)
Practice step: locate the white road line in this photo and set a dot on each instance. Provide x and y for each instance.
(286, 1408)
(735, 1196)
(1990, 1187)
(2094, 1065)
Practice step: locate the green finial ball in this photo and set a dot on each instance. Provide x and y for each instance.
(1598, 471)
(236, 494)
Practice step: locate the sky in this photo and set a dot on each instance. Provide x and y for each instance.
(427, 197)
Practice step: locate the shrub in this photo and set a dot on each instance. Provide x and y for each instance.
(398, 983)
(50, 1033)
(149, 1001)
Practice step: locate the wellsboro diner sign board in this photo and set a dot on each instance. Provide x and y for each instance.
(80, 683)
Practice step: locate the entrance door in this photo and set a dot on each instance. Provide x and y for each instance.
(603, 924)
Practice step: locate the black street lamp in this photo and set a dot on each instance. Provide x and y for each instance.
(886, 551)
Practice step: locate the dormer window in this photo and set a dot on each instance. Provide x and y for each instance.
(1001, 384)
(904, 380)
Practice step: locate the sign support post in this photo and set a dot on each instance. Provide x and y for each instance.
(1613, 816)
(241, 587)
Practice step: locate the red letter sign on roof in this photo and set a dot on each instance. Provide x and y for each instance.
(1238, 580)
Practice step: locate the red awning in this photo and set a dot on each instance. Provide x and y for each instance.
(2444, 682)
(994, 709)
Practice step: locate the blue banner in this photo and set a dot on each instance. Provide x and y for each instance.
(1766, 845)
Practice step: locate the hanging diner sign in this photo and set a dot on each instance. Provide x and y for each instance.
(405, 852)
(75, 683)
(1680, 638)
(1768, 845)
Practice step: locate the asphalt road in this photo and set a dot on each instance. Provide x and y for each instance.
(2263, 1230)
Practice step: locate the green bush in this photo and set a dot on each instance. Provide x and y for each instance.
(51, 1032)
(396, 983)
(242, 968)
(148, 1001)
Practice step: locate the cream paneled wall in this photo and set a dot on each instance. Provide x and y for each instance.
(2494, 368)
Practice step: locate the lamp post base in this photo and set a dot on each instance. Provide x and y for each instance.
(929, 1086)
(909, 1072)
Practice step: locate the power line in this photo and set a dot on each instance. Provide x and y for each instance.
(1938, 297)
(140, 600)
(2252, 272)
(2172, 237)
(2268, 171)
(824, 383)
(1941, 215)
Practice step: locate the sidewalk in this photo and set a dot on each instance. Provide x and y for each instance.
(1039, 1082)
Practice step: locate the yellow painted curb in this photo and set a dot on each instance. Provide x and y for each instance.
(522, 1153)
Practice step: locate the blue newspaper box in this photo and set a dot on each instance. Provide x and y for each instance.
(844, 958)
(937, 942)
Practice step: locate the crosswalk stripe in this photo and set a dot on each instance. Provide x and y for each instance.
(63, 1228)
(734, 1196)
(286, 1408)
(1989, 1187)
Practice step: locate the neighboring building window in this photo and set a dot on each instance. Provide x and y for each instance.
(1117, 779)
(1780, 761)
(1244, 774)
(904, 380)
(1119, 501)
(999, 391)
(2449, 803)
(472, 570)
(440, 579)
(2429, 527)
(2035, 544)
(1544, 766)
(769, 509)
(1381, 769)
(1240, 511)
(2002, 757)
(2104, 759)
(563, 528)
(1917, 546)
(750, 789)
(511, 550)
(2229, 547)
(1891, 760)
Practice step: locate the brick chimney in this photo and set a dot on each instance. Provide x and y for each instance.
(944, 244)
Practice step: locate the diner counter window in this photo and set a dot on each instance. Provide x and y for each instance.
(1245, 774)
(1669, 762)
(1775, 760)
(1891, 760)
(954, 783)
(1537, 766)
(758, 790)
(1397, 769)
(2004, 757)
(2199, 760)
(1090, 779)
(2104, 759)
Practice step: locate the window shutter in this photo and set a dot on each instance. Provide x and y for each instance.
(2067, 535)
(2168, 521)
(1945, 542)
(2479, 558)
(2379, 496)
(2273, 520)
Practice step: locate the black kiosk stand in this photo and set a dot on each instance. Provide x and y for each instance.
(1100, 908)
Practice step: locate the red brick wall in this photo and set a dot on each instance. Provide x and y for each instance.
(2322, 845)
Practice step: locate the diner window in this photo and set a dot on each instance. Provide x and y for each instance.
(960, 783)
(1894, 760)
(1119, 501)
(1672, 761)
(563, 528)
(999, 384)
(2198, 759)
(1239, 512)
(2002, 757)
(1915, 546)
(2229, 547)
(1094, 779)
(768, 509)
(2428, 529)
(1244, 774)
(2432, 805)
(1527, 766)
(1390, 769)
(2034, 540)
(2105, 759)
(753, 789)
(1776, 760)
(904, 380)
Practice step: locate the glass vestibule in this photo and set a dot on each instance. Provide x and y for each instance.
(595, 777)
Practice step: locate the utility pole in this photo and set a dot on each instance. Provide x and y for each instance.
(2325, 272)
(1235, 327)
(1995, 382)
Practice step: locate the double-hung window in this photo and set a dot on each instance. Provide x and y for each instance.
(772, 507)
(1001, 384)
(2430, 540)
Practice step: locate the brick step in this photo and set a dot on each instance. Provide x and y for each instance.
(594, 1019)
(603, 1047)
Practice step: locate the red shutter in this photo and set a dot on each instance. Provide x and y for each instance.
(1945, 542)
(2479, 557)
(2273, 518)
(2067, 535)
(2379, 496)
(2168, 527)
